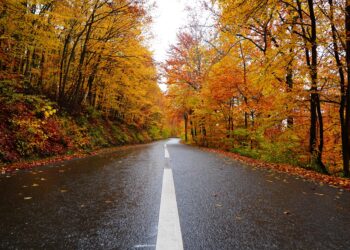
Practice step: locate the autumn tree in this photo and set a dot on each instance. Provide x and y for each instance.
(185, 69)
(280, 72)
(84, 55)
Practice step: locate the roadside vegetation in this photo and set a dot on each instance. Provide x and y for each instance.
(76, 76)
(266, 79)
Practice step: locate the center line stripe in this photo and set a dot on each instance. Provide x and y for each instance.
(169, 230)
(166, 152)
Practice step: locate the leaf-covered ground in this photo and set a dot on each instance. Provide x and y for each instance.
(285, 168)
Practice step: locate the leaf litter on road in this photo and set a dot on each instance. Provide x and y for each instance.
(299, 172)
(319, 194)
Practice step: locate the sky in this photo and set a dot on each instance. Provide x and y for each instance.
(168, 17)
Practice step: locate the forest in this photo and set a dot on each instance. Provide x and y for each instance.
(175, 124)
(268, 79)
(75, 75)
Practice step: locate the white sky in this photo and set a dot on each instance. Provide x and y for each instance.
(169, 16)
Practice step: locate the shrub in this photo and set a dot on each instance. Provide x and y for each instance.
(252, 153)
(154, 133)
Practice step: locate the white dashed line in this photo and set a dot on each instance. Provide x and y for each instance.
(166, 152)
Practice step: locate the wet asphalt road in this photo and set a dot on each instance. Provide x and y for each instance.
(112, 201)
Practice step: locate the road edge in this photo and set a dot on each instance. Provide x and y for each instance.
(310, 175)
(30, 164)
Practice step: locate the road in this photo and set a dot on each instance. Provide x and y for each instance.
(187, 197)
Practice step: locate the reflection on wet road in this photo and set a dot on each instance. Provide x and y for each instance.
(112, 201)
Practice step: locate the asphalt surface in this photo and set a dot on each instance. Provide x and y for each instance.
(112, 201)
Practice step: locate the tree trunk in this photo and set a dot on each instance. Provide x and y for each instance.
(76, 94)
(42, 72)
(346, 136)
(340, 67)
(186, 125)
(289, 82)
(315, 105)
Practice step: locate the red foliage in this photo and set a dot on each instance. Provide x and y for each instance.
(57, 143)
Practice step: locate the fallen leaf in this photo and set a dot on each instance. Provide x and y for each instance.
(299, 173)
(318, 194)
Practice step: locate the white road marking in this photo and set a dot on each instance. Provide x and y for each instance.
(166, 152)
(169, 230)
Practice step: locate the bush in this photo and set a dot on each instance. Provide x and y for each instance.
(31, 127)
(98, 137)
(93, 113)
(252, 153)
(283, 150)
(154, 133)
(139, 137)
(165, 133)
